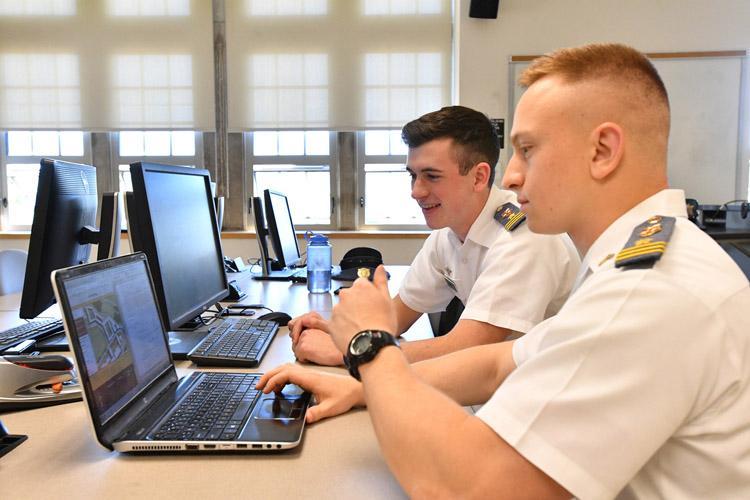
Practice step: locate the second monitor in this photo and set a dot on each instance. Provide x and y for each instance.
(277, 225)
(172, 219)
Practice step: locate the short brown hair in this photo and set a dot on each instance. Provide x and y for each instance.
(472, 132)
(595, 61)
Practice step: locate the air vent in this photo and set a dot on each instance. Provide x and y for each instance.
(157, 447)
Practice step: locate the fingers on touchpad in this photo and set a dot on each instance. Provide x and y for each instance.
(279, 408)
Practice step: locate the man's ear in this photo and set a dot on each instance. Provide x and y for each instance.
(608, 141)
(481, 172)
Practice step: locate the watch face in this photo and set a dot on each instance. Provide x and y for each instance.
(361, 343)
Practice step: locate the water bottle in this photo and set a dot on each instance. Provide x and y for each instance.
(318, 264)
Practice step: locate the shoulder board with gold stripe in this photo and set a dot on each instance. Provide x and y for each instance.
(509, 216)
(647, 243)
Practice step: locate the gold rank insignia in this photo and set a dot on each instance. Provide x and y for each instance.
(647, 243)
(363, 272)
(509, 216)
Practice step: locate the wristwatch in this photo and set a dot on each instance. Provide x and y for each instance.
(363, 348)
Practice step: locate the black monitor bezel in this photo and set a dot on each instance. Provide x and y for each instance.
(146, 243)
(273, 230)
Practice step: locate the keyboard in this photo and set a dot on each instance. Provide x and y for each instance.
(37, 329)
(215, 410)
(235, 342)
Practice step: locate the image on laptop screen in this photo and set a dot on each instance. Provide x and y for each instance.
(120, 334)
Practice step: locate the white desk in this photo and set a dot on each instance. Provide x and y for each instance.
(338, 458)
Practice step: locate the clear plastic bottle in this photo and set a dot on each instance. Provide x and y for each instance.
(318, 264)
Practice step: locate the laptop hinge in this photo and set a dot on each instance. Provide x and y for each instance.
(122, 423)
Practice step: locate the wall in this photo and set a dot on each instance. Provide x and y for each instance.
(538, 26)
(527, 27)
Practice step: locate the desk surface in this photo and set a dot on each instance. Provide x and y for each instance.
(338, 458)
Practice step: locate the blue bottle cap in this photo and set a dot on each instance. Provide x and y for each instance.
(318, 239)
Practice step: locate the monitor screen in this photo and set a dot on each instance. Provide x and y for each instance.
(119, 337)
(281, 228)
(66, 202)
(178, 232)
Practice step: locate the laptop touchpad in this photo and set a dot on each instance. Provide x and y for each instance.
(277, 408)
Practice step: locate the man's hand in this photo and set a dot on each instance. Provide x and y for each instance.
(334, 394)
(364, 306)
(316, 346)
(305, 321)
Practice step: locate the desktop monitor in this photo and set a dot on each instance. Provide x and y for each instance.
(63, 229)
(281, 229)
(261, 234)
(172, 219)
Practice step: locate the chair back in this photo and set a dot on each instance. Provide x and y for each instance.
(12, 270)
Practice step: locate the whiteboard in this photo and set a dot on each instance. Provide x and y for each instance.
(708, 148)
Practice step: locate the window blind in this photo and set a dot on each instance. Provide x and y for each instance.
(106, 65)
(336, 64)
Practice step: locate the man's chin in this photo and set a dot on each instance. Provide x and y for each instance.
(539, 227)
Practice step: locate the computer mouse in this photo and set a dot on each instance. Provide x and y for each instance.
(31, 381)
(279, 317)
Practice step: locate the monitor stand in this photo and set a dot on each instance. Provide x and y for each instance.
(184, 338)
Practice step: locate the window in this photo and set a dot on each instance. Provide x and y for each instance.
(385, 185)
(43, 89)
(286, 7)
(401, 7)
(402, 86)
(288, 89)
(148, 7)
(171, 147)
(297, 164)
(153, 90)
(37, 7)
(24, 150)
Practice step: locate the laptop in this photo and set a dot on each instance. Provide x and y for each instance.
(131, 388)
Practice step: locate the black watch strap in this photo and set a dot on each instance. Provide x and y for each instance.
(356, 356)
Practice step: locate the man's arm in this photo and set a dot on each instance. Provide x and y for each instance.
(312, 343)
(435, 448)
(405, 315)
(466, 333)
(430, 443)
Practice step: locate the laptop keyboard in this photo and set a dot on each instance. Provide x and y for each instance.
(216, 410)
(37, 329)
(235, 342)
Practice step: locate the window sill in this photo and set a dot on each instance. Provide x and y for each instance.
(342, 235)
(334, 235)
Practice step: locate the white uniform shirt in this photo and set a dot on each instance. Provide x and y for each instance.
(639, 386)
(510, 279)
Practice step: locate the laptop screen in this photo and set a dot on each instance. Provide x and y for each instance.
(119, 331)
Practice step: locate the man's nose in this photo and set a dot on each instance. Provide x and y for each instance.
(418, 189)
(513, 177)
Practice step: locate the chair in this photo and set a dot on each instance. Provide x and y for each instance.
(444, 321)
(12, 270)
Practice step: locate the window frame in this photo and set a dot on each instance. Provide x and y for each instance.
(6, 159)
(361, 202)
(302, 160)
(116, 160)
